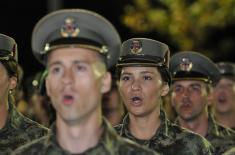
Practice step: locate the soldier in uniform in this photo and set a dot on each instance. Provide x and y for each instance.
(194, 76)
(15, 129)
(143, 79)
(224, 95)
(78, 46)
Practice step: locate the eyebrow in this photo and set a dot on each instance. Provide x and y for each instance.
(74, 62)
(147, 72)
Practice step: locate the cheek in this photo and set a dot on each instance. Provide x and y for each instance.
(123, 89)
(175, 99)
(51, 86)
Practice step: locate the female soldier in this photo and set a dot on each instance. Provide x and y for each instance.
(143, 79)
(15, 129)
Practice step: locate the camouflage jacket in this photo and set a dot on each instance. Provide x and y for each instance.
(109, 144)
(220, 137)
(230, 152)
(169, 139)
(18, 130)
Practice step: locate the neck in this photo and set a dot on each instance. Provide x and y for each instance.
(145, 127)
(80, 137)
(226, 119)
(198, 125)
(3, 114)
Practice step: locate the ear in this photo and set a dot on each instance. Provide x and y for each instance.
(164, 89)
(13, 82)
(106, 83)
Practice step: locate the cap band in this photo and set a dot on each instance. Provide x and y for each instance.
(75, 42)
(182, 75)
(6, 55)
(140, 64)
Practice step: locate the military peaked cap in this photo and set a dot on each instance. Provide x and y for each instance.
(75, 28)
(193, 66)
(8, 48)
(143, 52)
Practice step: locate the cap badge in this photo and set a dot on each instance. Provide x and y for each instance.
(136, 47)
(69, 28)
(186, 65)
(222, 71)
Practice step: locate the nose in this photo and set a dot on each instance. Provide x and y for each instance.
(135, 85)
(186, 92)
(68, 77)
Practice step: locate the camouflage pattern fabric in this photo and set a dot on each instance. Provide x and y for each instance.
(170, 139)
(230, 152)
(220, 137)
(109, 144)
(18, 130)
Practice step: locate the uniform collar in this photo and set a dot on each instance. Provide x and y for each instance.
(161, 137)
(14, 119)
(108, 139)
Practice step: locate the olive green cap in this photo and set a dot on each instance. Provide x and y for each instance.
(8, 48)
(226, 68)
(143, 52)
(75, 28)
(193, 66)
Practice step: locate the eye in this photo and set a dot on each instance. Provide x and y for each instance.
(178, 89)
(80, 67)
(55, 70)
(125, 78)
(195, 87)
(147, 77)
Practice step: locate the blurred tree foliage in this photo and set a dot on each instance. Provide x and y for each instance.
(191, 24)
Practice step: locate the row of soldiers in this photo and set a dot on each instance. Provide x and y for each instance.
(78, 47)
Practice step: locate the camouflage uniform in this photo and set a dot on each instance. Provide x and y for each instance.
(220, 137)
(18, 130)
(109, 144)
(169, 139)
(230, 152)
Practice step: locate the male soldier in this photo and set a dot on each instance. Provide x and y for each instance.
(143, 80)
(15, 129)
(193, 76)
(224, 95)
(75, 44)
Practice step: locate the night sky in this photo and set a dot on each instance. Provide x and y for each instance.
(18, 19)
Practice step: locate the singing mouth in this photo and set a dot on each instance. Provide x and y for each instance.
(221, 99)
(68, 99)
(136, 99)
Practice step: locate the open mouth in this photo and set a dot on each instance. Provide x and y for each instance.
(221, 99)
(68, 99)
(136, 101)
